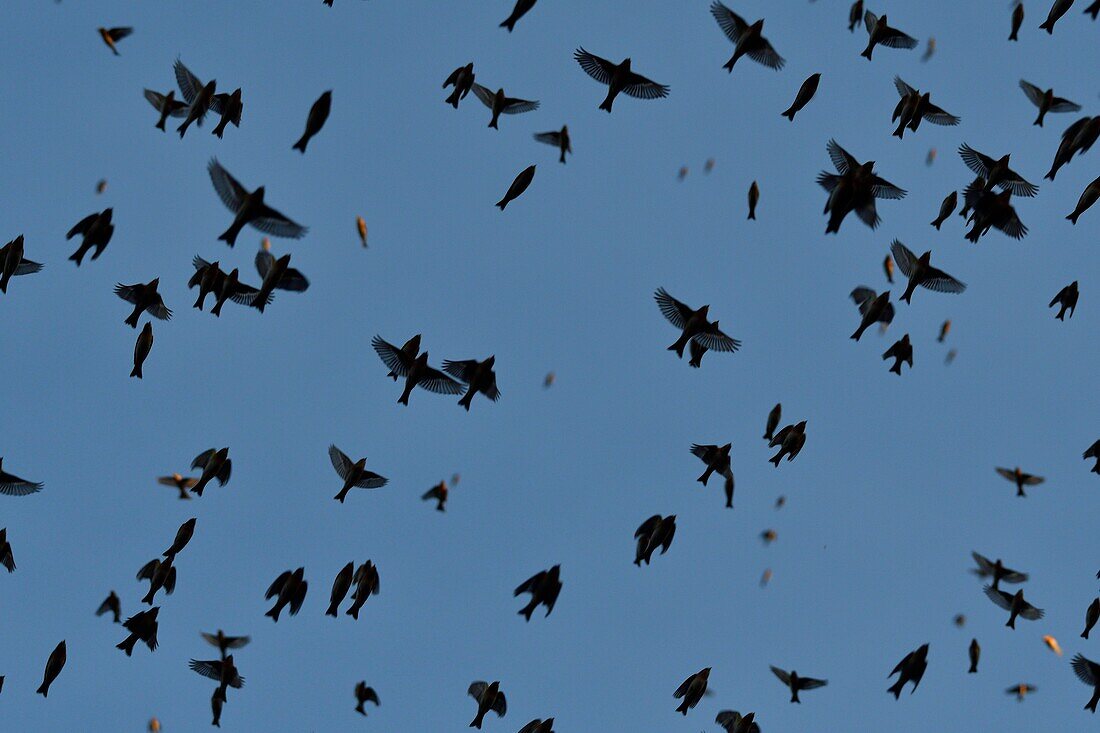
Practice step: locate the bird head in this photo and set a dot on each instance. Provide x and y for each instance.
(758, 25)
(801, 427)
(153, 613)
(704, 310)
(107, 214)
(491, 361)
(259, 193)
(154, 283)
(705, 672)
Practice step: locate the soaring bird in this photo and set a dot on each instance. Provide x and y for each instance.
(111, 36)
(488, 697)
(12, 485)
(880, 33)
(111, 604)
(1046, 101)
(921, 273)
(746, 37)
(544, 587)
(1021, 479)
(364, 694)
(215, 464)
(694, 325)
(559, 139)
(1014, 604)
(795, 683)
(996, 172)
(1088, 672)
(499, 103)
(354, 474)
(805, 93)
(96, 230)
(854, 187)
(289, 589)
(996, 570)
(478, 376)
(403, 357)
(1066, 299)
(462, 79)
(143, 627)
(144, 297)
(618, 78)
(318, 115)
(692, 690)
(249, 208)
(520, 9)
(911, 668)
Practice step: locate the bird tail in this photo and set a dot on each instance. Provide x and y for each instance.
(137, 371)
(300, 146)
(774, 460)
(493, 124)
(703, 479)
(789, 114)
(1090, 706)
(606, 104)
(1073, 217)
(274, 613)
(476, 722)
(973, 669)
(1085, 634)
(332, 611)
(502, 203)
(132, 319)
(896, 688)
(404, 398)
(453, 99)
(1011, 623)
(1013, 37)
(43, 690)
(77, 256)
(127, 645)
(182, 129)
(1048, 27)
(160, 125)
(857, 334)
(867, 52)
(359, 709)
(752, 215)
(229, 236)
(354, 613)
(896, 369)
(683, 709)
(973, 235)
(340, 498)
(937, 223)
(1038, 121)
(509, 24)
(217, 309)
(562, 158)
(527, 611)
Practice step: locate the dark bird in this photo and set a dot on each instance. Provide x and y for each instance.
(161, 574)
(96, 230)
(873, 309)
(693, 325)
(795, 683)
(1088, 672)
(414, 369)
(142, 348)
(1092, 615)
(231, 109)
(914, 107)
(921, 273)
(111, 36)
(12, 262)
(773, 421)
(881, 34)
(559, 139)
(183, 536)
(854, 187)
(1046, 101)
(354, 474)
(340, 587)
(367, 584)
(692, 690)
(1014, 604)
(790, 441)
(1076, 139)
(1057, 10)
(7, 559)
(1093, 451)
(211, 280)
(731, 720)
(287, 589)
(945, 328)
(746, 37)
(657, 531)
(618, 78)
(200, 98)
(996, 570)
(318, 115)
(910, 669)
(489, 697)
(364, 694)
(111, 604)
(144, 298)
(717, 460)
(754, 196)
(901, 351)
(499, 103)
(1017, 20)
(167, 105)
(975, 652)
(289, 279)
(1093, 10)
(888, 269)
(216, 700)
(1088, 198)
(947, 208)
(1021, 479)
(929, 50)
(54, 664)
(405, 355)
(806, 92)
(438, 494)
(142, 627)
(521, 8)
(223, 671)
(1066, 300)
(214, 464)
(544, 587)
(208, 278)
(1020, 691)
(180, 482)
(996, 172)
(272, 279)
(855, 15)
(519, 185)
(538, 725)
(249, 208)
(14, 486)
(992, 210)
(223, 642)
(478, 376)
(461, 79)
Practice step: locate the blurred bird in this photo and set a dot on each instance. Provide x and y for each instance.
(340, 587)
(97, 231)
(1088, 198)
(180, 482)
(1088, 672)
(216, 700)
(1046, 101)
(790, 441)
(249, 208)
(914, 107)
(754, 196)
(11, 485)
(931, 157)
(1057, 10)
(780, 502)
(773, 421)
(1021, 479)
(888, 268)
(992, 210)
(183, 536)
(854, 187)
(12, 262)
(1093, 451)
(559, 139)
(519, 185)
(142, 627)
(289, 589)
(144, 297)
(111, 36)
(318, 115)
(996, 172)
(1052, 643)
(499, 103)
(805, 93)
(354, 474)
(1020, 691)
(746, 38)
(1066, 300)
(880, 33)
(461, 79)
(1014, 604)
(478, 376)
(548, 380)
(657, 531)
(960, 620)
(161, 574)
(231, 109)
(929, 50)
(682, 173)
(795, 683)
(945, 328)
(717, 460)
(1092, 615)
(167, 105)
(901, 351)
(692, 690)
(101, 185)
(154, 725)
(223, 671)
(709, 165)
(1017, 20)
(855, 15)
(54, 664)
(521, 8)
(415, 370)
(1093, 10)
(947, 208)
(544, 587)
(142, 348)
(364, 694)
(921, 273)
(539, 726)
(214, 463)
(910, 669)
(768, 536)
(111, 604)
(367, 584)
(731, 720)
(694, 325)
(276, 273)
(7, 559)
(987, 568)
(618, 78)
(765, 578)
(438, 494)
(873, 308)
(975, 653)
(223, 642)
(489, 697)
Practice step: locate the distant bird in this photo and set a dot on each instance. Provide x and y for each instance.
(224, 642)
(111, 604)
(1088, 198)
(873, 308)
(1020, 691)
(795, 683)
(682, 173)
(992, 210)
(975, 652)
(901, 351)
(364, 694)
(519, 185)
(888, 269)
(1057, 10)
(1093, 10)
(854, 187)
(478, 376)
(1014, 604)
(657, 531)
(960, 620)
(773, 421)
(289, 589)
(548, 380)
(716, 458)
(7, 559)
(768, 536)
(1052, 644)
(914, 107)
(231, 109)
(1046, 101)
(544, 587)
(223, 671)
(318, 115)
(488, 697)
(1066, 300)
(746, 38)
(142, 348)
(161, 575)
(880, 33)
(180, 482)
(462, 79)
(708, 166)
(289, 279)
(539, 725)
(167, 105)
(499, 103)
(183, 535)
(11, 485)
(406, 355)
(215, 464)
(1088, 672)
(945, 328)
(930, 158)
(929, 50)
(694, 326)
(1021, 479)
(996, 172)
(1092, 615)
(144, 297)
(415, 370)
(111, 36)
(361, 227)
(910, 669)
(559, 139)
(731, 720)
(142, 627)
(438, 494)
(340, 587)
(101, 185)
(354, 474)
(367, 583)
(855, 15)
(521, 8)
(790, 441)
(97, 231)
(692, 690)
(1093, 451)
(765, 578)
(996, 570)
(1017, 20)
(921, 273)
(249, 208)
(618, 78)
(200, 98)
(805, 93)
(947, 208)
(780, 502)
(54, 664)
(754, 196)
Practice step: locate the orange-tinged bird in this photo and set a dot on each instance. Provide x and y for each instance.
(154, 725)
(362, 227)
(266, 244)
(101, 186)
(112, 35)
(1053, 644)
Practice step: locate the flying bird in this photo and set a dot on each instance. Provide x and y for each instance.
(96, 230)
(996, 570)
(488, 697)
(1057, 10)
(975, 653)
(1017, 20)
(1014, 604)
(1021, 479)
(773, 421)
(947, 208)
(354, 474)
(901, 351)
(438, 494)
(805, 93)
(364, 694)
(415, 370)
(873, 309)
(538, 725)
(1092, 615)
(519, 185)
(854, 187)
(1088, 198)
(754, 197)
(214, 464)
(180, 482)
(880, 33)
(790, 441)
(992, 210)
(692, 690)
(911, 668)
(694, 326)
(499, 103)
(111, 604)
(1046, 101)
(200, 98)
(142, 348)
(1066, 299)
(855, 15)
(361, 227)
(318, 115)
(559, 139)
(462, 79)
(224, 642)
(746, 37)
(731, 720)
(996, 172)
(1088, 672)
(1052, 644)
(717, 460)
(1093, 451)
(161, 575)
(945, 328)
(289, 589)
(111, 36)
(795, 683)
(888, 269)
(544, 587)
(657, 531)
(478, 376)
(7, 559)
(144, 297)
(11, 485)
(143, 627)
(521, 8)
(340, 587)
(54, 664)
(914, 107)
(921, 273)
(618, 78)
(289, 279)
(1020, 691)
(367, 584)
(249, 208)
(167, 105)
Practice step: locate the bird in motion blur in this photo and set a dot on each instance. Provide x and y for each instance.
(438, 494)
(111, 36)
(854, 187)
(559, 139)
(732, 721)
(987, 568)
(901, 352)
(1021, 479)
(795, 683)
(488, 696)
(112, 605)
(1015, 604)
(478, 376)
(544, 587)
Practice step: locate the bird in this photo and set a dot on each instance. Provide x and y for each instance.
(521, 9)
(888, 269)
(773, 421)
(462, 79)
(210, 279)
(539, 725)
(960, 620)
(1093, 10)
(657, 531)
(692, 690)
(249, 208)
(7, 559)
(54, 664)
(901, 351)
(1021, 479)
(438, 494)
(161, 574)
(746, 38)
(274, 274)
(488, 697)
(367, 584)
(215, 463)
(142, 348)
(911, 668)
(354, 474)
(1066, 299)
(559, 139)
(731, 720)
(364, 694)
(12, 262)
(223, 671)
(111, 604)
(947, 208)
(717, 460)
(1017, 20)
(180, 482)
(945, 328)
(11, 485)
(405, 355)
(143, 627)
(795, 683)
(780, 502)
(340, 587)
(790, 441)
(96, 230)
(224, 642)
(805, 93)
(1075, 140)
(1057, 10)
(231, 108)
(1014, 604)
(929, 50)
(289, 279)
(618, 78)
(1052, 644)
(1088, 672)
(987, 568)
(167, 105)
(880, 33)
(544, 587)
(144, 297)
(854, 187)
(855, 15)
(1092, 615)
(914, 107)
(289, 589)
(1088, 198)
(519, 185)
(318, 115)
(183, 535)
(1046, 101)
(1093, 451)
(975, 653)
(499, 103)
(111, 36)
(873, 309)
(992, 210)
(754, 196)
(200, 98)
(414, 369)
(217, 702)
(1020, 691)
(478, 376)
(694, 325)
(921, 273)
(996, 172)
(361, 227)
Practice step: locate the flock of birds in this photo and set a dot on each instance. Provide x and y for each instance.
(853, 187)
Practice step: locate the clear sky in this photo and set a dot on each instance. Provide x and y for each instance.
(893, 490)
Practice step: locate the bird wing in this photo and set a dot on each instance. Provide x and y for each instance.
(1007, 473)
(463, 370)
(236, 642)
(1015, 183)
(159, 310)
(158, 100)
(340, 461)
(393, 357)
(828, 181)
(225, 472)
(904, 90)
(640, 87)
(264, 262)
(148, 569)
(1034, 93)
(893, 38)
(371, 480)
(500, 705)
(477, 689)
(902, 664)
(666, 541)
(598, 68)
(683, 688)
(1012, 226)
(514, 106)
(868, 213)
(276, 224)
(550, 138)
(783, 676)
(170, 581)
(862, 297)
(229, 190)
(941, 282)
(277, 586)
(937, 116)
(766, 55)
(676, 312)
(207, 668)
(528, 585)
(869, 20)
(703, 451)
(203, 458)
(369, 695)
(732, 24)
(1093, 451)
(117, 34)
(985, 567)
(1002, 599)
(1058, 104)
(883, 189)
(903, 256)
(715, 340)
(104, 607)
(293, 280)
(299, 597)
(841, 158)
(975, 161)
(809, 683)
(1086, 670)
(27, 267)
(1030, 612)
(15, 486)
(436, 381)
(484, 94)
(82, 226)
(646, 528)
(189, 84)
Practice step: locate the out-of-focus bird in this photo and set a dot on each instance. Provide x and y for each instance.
(520, 9)
(773, 421)
(54, 664)
(111, 604)
(950, 357)
(288, 278)
(318, 115)
(214, 464)
(167, 105)
(223, 671)
(354, 474)
(913, 107)
(716, 458)
(183, 536)
(1093, 10)
(996, 570)
(96, 230)
(144, 297)
(364, 694)
(1014, 604)
(1057, 10)
(1093, 451)
(154, 725)
(929, 50)
(1092, 615)
(910, 669)
(694, 325)
(1017, 20)
(1066, 299)
(461, 79)
(367, 583)
(754, 196)
(7, 559)
(499, 103)
(12, 262)
(488, 697)
(559, 139)
(930, 158)
(548, 380)
(901, 351)
(11, 485)
(340, 587)
(142, 348)
(960, 620)
(478, 376)
(231, 109)
(746, 37)
(975, 653)
(790, 440)
(289, 589)
(1088, 672)
(180, 482)
(1020, 691)
(991, 210)
(888, 269)
(618, 78)
(805, 93)
(1021, 479)
(765, 577)
(768, 536)
(945, 328)
(248, 207)
(101, 185)
(996, 172)
(795, 683)
(692, 690)
(161, 575)
(111, 36)
(538, 725)
(730, 720)
(709, 165)
(947, 208)
(1088, 198)
(880, 33)
(415, 370)
(361, 227)
(682, 173)
(854, 187)
(780, 502)
(142, 627)
(1052, 644)
(873, 308)
(224, 642)
(657, 531)
(438, 494)
(1046, 101)
(855, 15)
(921, 273)
(519, 185)
(544, 587)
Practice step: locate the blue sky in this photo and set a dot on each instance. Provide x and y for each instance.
(893, 490)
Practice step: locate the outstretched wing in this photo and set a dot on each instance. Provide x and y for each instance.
(484, 94)
(277, 224)
(550, 138)
(980, 163)
(514, 106)
(715, 340)
(676, 312)
(883, 189)
(1058, 104)
(189, 84)
(436, 381)
(732, 24)
(640, 87)
(1034, 93)
(229, 190)
(598, 68)
(276, 586)
(393, 357)
(904, 257)
(783, 676)
(1086, 670)
(904, 90)
(937, 116)
(941, 282)
(766, 55)
(340, 461)
(999, 597)
(841, 158)
(893, 38)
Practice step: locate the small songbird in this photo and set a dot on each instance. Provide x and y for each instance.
(708, 166)
(1092, 615)
(54, 664)
(7, 559)
(11, 485)
(438, 494)
(880, 33)
(1014, 604)
(144, 297)
(913, 107)
(996, 172)
(921, 273)
(1088, 198)
(142, 348)
(910, 669)
(521, 8)
(361, 227)
(559, 139)
(214, 463)
(183, 536)
(223, 671)
(273, 271)
(1066, 300)
(1017, 20)
(111, 36)
(548, 380)
(1076, 139)
(975, 652)
(12, 262)
(142, 627)
(1057, 10)
(167, 105)
(340, 587)
(249, 208)
(716, 458)
(97, 231)
(1052, 644)
(231, 108)
(780, 502)
(1046, 101)
(198, 105)
(364, 694)
(768, 536)
(224, 642)
(754, 196)
(289, 589)
(947, 208)
(499, 103)
(1021, 479)
(945, 328)
(1088, 672)
(991, 210)
(805, 93)
(111, 604)
(538, 725)
(161, 575)
(888, 269)
(413, 368)
(404, 356)
(1020, 691)
(618, 78)
(929, 50)
(478, 376)
(854, 187)
(901, 351)
(790, 440)
(367, 584)
(354, 474)
(657, 531)
(1093, 451)
(730, 720)
(873, 308)
(461, 79)
(773, 421)
(682, 173)
(544, 587)
(746, 38)
(855, 15)
(519, 185)
(987, 568)
(796, 683)
(694, 325)
(960, 620)
(692, 690)
(318, 115)
(488, 697)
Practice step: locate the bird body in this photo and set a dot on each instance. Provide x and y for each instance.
(142, 348)
(805, 93)
(488, 697)
(544, 588)
(519, 185)
(618, 78)
(691, 691)
(318, 115)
